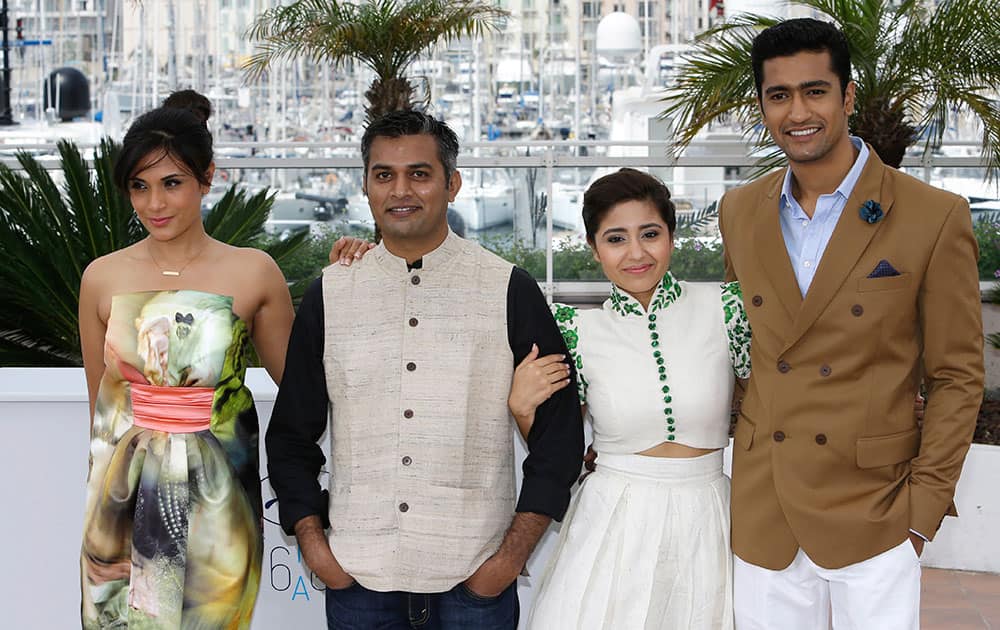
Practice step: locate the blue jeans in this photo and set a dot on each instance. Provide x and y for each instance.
(357, 608)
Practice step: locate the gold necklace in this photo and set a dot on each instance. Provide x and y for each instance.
(168, 272)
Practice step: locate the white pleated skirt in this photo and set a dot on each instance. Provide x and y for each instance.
(644, 546)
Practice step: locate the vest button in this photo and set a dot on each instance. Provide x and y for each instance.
(820, 439)
(407, 461)
(413, 322)
(783, 367)
(408, 413)
(403, 507)
(415, 280)
(411, 366)
(757, 300)
(825, 370)
(779, 436)
(857, 310)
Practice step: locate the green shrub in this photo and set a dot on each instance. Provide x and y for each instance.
(693, 259)
(698, 260)
(987, 232)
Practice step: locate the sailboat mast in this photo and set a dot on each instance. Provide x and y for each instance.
(5, 114)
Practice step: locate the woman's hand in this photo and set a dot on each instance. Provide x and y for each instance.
(347, 249)
(535, 380)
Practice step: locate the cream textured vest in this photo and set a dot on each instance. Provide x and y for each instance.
(418, 369)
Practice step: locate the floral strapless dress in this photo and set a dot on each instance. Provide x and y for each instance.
(172, 530)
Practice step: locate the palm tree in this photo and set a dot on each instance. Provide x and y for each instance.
(385, 35)
(915, 69)
(48, 236)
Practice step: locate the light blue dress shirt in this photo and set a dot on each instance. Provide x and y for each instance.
(806, 239)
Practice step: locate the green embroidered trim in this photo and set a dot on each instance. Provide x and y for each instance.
(668, 291)
(666, 294)
(737, 328)
(623, 303)
(565, 317)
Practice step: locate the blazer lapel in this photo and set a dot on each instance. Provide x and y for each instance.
(849, 241)
(770, 246)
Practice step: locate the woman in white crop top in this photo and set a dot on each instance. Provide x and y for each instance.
(645, 544)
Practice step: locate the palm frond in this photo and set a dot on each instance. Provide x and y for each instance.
(38, 241)
(384, 35)
(80, 196)
(916, 65)
(714, 81)
(994, 340)
(284, 249)
(238, 228)
(18, 351)
(693, 222)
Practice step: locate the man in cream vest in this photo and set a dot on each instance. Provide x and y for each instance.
(410, 352)
(859, 283)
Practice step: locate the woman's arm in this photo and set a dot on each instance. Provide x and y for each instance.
(737, 330)
(535, 380)
(93, 328)
(272, 323)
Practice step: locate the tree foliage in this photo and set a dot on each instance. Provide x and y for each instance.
(387, 36)
(916, 69)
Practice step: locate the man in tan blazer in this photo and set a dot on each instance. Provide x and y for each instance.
(859, 282)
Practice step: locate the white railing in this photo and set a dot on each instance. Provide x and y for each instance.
(550, 155)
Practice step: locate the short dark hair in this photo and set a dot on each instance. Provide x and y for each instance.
(627, 184)
(189, 99)
(801, 34)
(410, 122)
(164, 131)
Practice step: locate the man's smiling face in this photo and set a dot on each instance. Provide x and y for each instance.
(408, 192)
(803, 107)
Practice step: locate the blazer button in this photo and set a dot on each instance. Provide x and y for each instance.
(415, 280)
(779, 436)
(857, 310)
(825, 370)
(411, 366)
(403, 507)
(783, 367)
(413, 322)
(757, 300)
(407, 461)
(820, 439)
(408, 413)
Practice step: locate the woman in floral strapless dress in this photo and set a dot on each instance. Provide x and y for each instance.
(172, 530)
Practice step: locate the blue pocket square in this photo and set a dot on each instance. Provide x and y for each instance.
(883, 270)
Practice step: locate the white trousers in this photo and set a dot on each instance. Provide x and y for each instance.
(882, 592)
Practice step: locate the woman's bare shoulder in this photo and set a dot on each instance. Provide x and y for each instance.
(112, 264)
(249, 259)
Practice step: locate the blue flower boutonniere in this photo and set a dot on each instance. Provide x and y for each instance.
(871, 211)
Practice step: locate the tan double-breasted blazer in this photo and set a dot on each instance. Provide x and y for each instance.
(828, 454)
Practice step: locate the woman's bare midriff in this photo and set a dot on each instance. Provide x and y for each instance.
(672, 449)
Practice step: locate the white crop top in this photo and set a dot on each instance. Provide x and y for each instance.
(662, 375)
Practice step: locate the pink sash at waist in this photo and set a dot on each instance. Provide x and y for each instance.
(172, 409)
